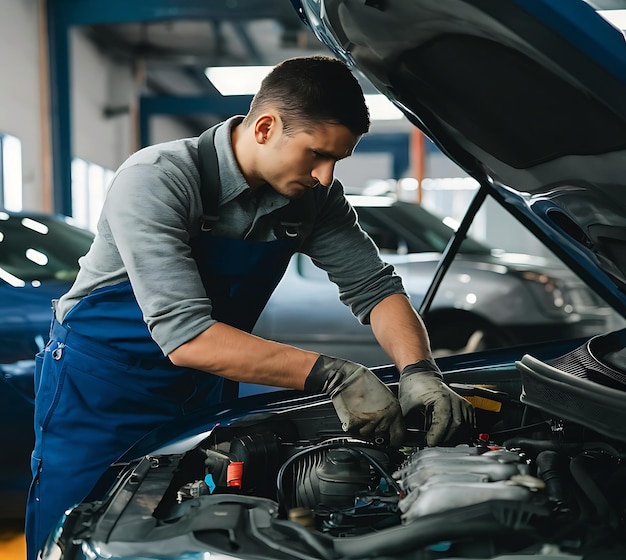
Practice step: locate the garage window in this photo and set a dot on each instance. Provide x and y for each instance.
(10, 172)
(89, 185)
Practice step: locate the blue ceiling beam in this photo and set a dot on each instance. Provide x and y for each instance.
(92, 12)
(221, 107)
(195, 105)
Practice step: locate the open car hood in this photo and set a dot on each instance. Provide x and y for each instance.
(527, 96)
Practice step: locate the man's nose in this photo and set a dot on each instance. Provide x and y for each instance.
(324, 173)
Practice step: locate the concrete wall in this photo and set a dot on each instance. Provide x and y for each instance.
(98, 85)
(20, 111)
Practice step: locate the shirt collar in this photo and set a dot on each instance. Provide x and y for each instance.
(232, 180)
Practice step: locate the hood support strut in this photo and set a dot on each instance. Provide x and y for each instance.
(452, 248)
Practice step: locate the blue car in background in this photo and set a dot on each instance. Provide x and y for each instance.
(38, 262)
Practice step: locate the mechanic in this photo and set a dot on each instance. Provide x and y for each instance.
(194, 236)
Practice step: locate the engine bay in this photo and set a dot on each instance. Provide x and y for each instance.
(282, 480)
(293, 485)
(553, 492)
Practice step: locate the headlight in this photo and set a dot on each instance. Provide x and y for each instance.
(559, 298)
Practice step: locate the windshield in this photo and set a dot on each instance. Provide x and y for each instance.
(39, 248)
(405, 227)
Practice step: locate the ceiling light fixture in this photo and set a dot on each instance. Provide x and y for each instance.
(381, 109)
(615, 17)
(237, 80)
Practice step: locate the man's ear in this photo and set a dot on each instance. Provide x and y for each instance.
(264, 127)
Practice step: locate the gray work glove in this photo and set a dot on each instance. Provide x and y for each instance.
(422, 388)
(364, 404)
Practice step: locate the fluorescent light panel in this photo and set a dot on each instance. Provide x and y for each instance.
(381, 109)
(616, 17)
(246, 80)
(237, 80)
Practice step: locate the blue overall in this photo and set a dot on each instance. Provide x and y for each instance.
(102, 382)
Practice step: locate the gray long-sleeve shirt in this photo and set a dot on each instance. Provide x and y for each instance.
(153, 208)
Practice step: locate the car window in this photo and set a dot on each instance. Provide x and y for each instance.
(40, 247)
(404, 227)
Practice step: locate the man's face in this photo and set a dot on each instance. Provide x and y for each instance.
(292, 163)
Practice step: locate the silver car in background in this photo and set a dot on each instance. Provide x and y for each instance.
(488, 299)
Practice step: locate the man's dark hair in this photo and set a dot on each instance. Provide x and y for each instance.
(312, 90)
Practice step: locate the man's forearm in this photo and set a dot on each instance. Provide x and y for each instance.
(400, 331)
(237, 355)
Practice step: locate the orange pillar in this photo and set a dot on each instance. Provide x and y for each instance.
(417, 160)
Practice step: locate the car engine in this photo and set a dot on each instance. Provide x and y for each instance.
(545, 479)
(551, 496)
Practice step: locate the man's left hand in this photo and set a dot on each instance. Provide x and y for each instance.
(422, 388)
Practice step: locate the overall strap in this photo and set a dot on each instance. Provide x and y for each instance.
(209, 178)
(291, 216)
(209, 193)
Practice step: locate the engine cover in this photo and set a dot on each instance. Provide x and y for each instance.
(445, 478)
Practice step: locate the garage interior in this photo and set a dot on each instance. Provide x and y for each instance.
(88, 82)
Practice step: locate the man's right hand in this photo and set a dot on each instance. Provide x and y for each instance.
(364, 404)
